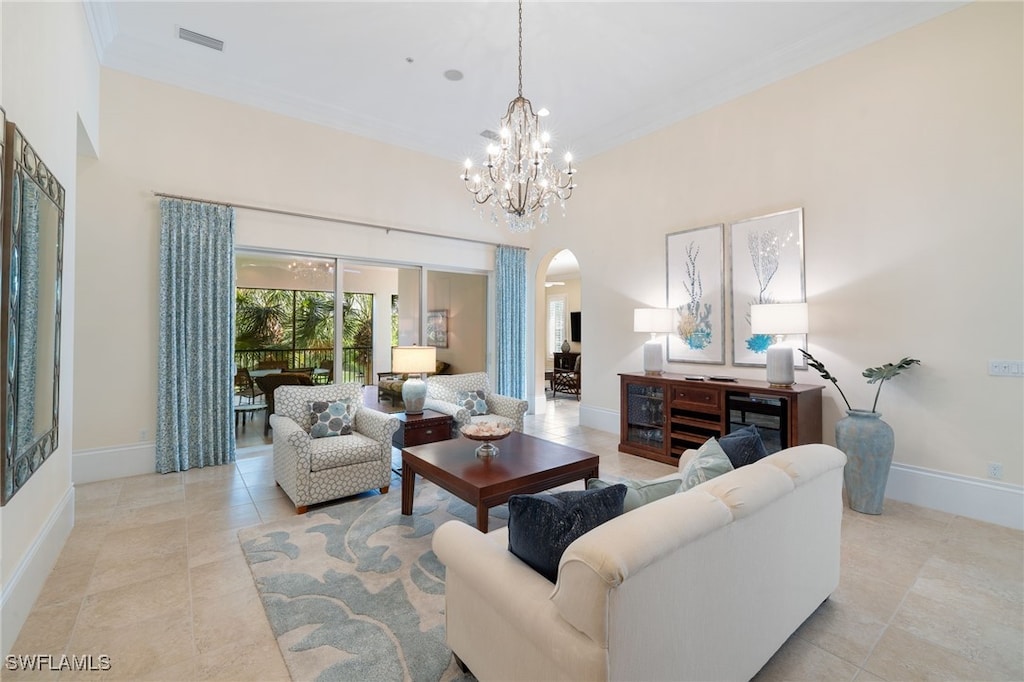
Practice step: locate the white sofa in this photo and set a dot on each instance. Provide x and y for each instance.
(702, 585)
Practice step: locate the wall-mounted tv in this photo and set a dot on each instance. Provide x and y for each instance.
(574, 326)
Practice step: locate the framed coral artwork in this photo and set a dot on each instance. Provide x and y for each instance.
(437, 328)
(767, 263)
(696, 290)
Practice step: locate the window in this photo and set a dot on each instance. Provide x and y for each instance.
(556, 323)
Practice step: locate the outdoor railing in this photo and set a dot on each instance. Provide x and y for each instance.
(356, 363)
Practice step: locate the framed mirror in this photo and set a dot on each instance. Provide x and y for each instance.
(32, 207)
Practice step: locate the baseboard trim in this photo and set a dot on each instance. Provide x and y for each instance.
(989, 501)
(599, 418)
(102, 464)
(26, 582)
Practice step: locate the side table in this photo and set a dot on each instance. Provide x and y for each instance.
(417, 429)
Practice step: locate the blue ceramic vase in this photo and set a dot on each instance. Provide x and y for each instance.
(868, 443)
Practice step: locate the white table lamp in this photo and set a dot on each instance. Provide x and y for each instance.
(413, 360)
(779, 320)
(653, 321)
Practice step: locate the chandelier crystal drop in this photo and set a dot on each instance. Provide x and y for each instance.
(517, 178)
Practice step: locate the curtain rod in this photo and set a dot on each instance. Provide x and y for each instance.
(343, 221)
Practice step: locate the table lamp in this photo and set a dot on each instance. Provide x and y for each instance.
(413, 360)
(778, 320)
(654, 321)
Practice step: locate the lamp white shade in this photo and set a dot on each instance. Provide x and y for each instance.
(778, 318)
(413, 359)
(653, 320)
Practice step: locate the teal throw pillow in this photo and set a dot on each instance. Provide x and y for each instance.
(474, 401)
(710, 461)
(743, 446)
(542, 526)
(639, 493)
(330, 418)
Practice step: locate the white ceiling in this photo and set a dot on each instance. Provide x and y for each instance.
(608, 71)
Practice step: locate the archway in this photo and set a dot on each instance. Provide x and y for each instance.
(559, 310)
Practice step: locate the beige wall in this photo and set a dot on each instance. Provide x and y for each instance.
(48, 65)
(907, 159)
(464, 296)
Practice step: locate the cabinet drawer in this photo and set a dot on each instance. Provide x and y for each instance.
(697, 396)
(427, 434)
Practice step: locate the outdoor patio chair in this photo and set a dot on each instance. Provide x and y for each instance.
(245, 387)
(269, 383)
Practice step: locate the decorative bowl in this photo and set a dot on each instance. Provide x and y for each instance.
(486, 433)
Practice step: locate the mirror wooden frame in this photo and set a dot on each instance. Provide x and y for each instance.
(30, 309)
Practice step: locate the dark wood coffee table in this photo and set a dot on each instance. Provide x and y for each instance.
(524, 465)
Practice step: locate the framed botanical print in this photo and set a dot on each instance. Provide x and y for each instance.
(767, 264)
(437, 328)
(696, 290)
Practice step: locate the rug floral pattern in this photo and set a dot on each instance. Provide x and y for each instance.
(353, 590)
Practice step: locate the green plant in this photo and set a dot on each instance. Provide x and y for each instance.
(874, 375)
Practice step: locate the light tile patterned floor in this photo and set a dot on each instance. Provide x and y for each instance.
(153, 577)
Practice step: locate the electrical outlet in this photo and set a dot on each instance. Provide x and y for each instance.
(142, 434)
(1005, 368)
(995, 470)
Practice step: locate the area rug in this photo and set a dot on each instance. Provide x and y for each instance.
(353, 591)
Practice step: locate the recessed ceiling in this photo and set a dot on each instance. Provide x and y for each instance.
(608, 71)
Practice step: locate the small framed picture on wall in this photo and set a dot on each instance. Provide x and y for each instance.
(437, 328)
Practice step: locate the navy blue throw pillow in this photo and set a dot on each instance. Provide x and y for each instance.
(743, 446)
(540, 527)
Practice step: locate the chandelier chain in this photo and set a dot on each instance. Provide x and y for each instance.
(520, 48)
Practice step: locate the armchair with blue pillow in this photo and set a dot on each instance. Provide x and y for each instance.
(468, 398)
(328, 444)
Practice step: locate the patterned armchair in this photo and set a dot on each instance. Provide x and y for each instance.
(312, 470)
(443, 396)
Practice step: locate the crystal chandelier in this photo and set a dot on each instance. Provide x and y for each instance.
(310, 269)
(517, 178)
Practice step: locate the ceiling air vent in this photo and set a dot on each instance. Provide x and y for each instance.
(490, 135)
(200, 39)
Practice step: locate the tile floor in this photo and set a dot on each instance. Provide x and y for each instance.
(153, 577)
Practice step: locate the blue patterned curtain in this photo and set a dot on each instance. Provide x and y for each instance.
(197, 326)
(510, 267)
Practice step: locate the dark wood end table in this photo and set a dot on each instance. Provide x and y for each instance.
(417, 429)
(524, 465)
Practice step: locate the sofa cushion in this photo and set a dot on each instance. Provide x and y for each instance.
(475, 401)
(541, 526)
(639, 493)
(330, 418)
(743, 446)
(709, 461)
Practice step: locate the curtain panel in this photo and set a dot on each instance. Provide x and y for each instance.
(510, 270)
(196, 356)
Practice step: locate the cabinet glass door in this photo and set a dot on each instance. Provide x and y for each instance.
(645, 415)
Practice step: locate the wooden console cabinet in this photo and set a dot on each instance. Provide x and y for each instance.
(662, 416)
